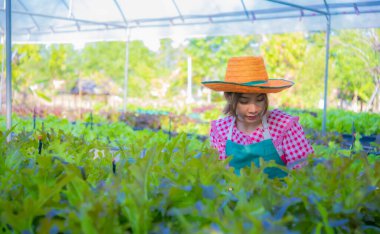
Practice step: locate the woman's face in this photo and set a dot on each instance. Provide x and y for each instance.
(250, 107)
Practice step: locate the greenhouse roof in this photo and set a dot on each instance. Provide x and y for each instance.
(41, 21)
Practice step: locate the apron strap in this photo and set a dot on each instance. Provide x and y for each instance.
(267, 134)
(229, 136)
(266, 128)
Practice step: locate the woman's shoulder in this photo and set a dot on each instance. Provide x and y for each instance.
(222, 122)
(277, 113)
(281, 119)
(219, 128)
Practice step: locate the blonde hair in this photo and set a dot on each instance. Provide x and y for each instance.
(232, 101)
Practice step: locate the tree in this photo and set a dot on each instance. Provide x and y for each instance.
(26, 72)
(357, 63)
(108, 58)
(60, 63)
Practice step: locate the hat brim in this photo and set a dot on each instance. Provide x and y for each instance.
(272, 86)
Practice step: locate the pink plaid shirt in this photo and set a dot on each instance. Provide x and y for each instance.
(286, 132)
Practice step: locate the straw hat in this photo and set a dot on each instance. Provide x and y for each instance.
(248, 75)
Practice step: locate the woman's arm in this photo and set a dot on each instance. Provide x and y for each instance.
(216, 141)
(296, 147)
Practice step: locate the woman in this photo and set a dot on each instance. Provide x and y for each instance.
(250, 131)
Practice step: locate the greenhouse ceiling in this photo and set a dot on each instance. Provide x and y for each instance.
(49, 21)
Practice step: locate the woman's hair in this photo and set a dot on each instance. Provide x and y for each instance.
(232, 101)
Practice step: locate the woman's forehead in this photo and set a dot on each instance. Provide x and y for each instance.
(251, 95)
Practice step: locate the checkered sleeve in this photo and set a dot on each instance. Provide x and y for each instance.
(217, 141)
(295, 146)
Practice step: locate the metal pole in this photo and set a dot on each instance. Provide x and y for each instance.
(8, 41)
(2, 72)
(189, 80)
(324, 120)
(126, 73)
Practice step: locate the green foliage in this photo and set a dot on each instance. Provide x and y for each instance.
(284, 54)
(27, 58)
(174, 185)
(105, 57)
(355, 62)
(60, 64)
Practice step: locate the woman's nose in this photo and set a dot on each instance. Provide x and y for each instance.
(252, 108)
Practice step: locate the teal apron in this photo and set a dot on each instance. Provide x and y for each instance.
(244, 155)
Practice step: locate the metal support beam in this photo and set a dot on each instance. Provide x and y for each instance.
(245, 9)
(68, 19)
(327, 56)
(8, 42)
(2, 71)
(32, 17)
(324, 120)
(298, 6)
(2, 41)
(260, 15)
(126, 67)
(121, 12)
(179, 12)
(69, 8)
(189, 93)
